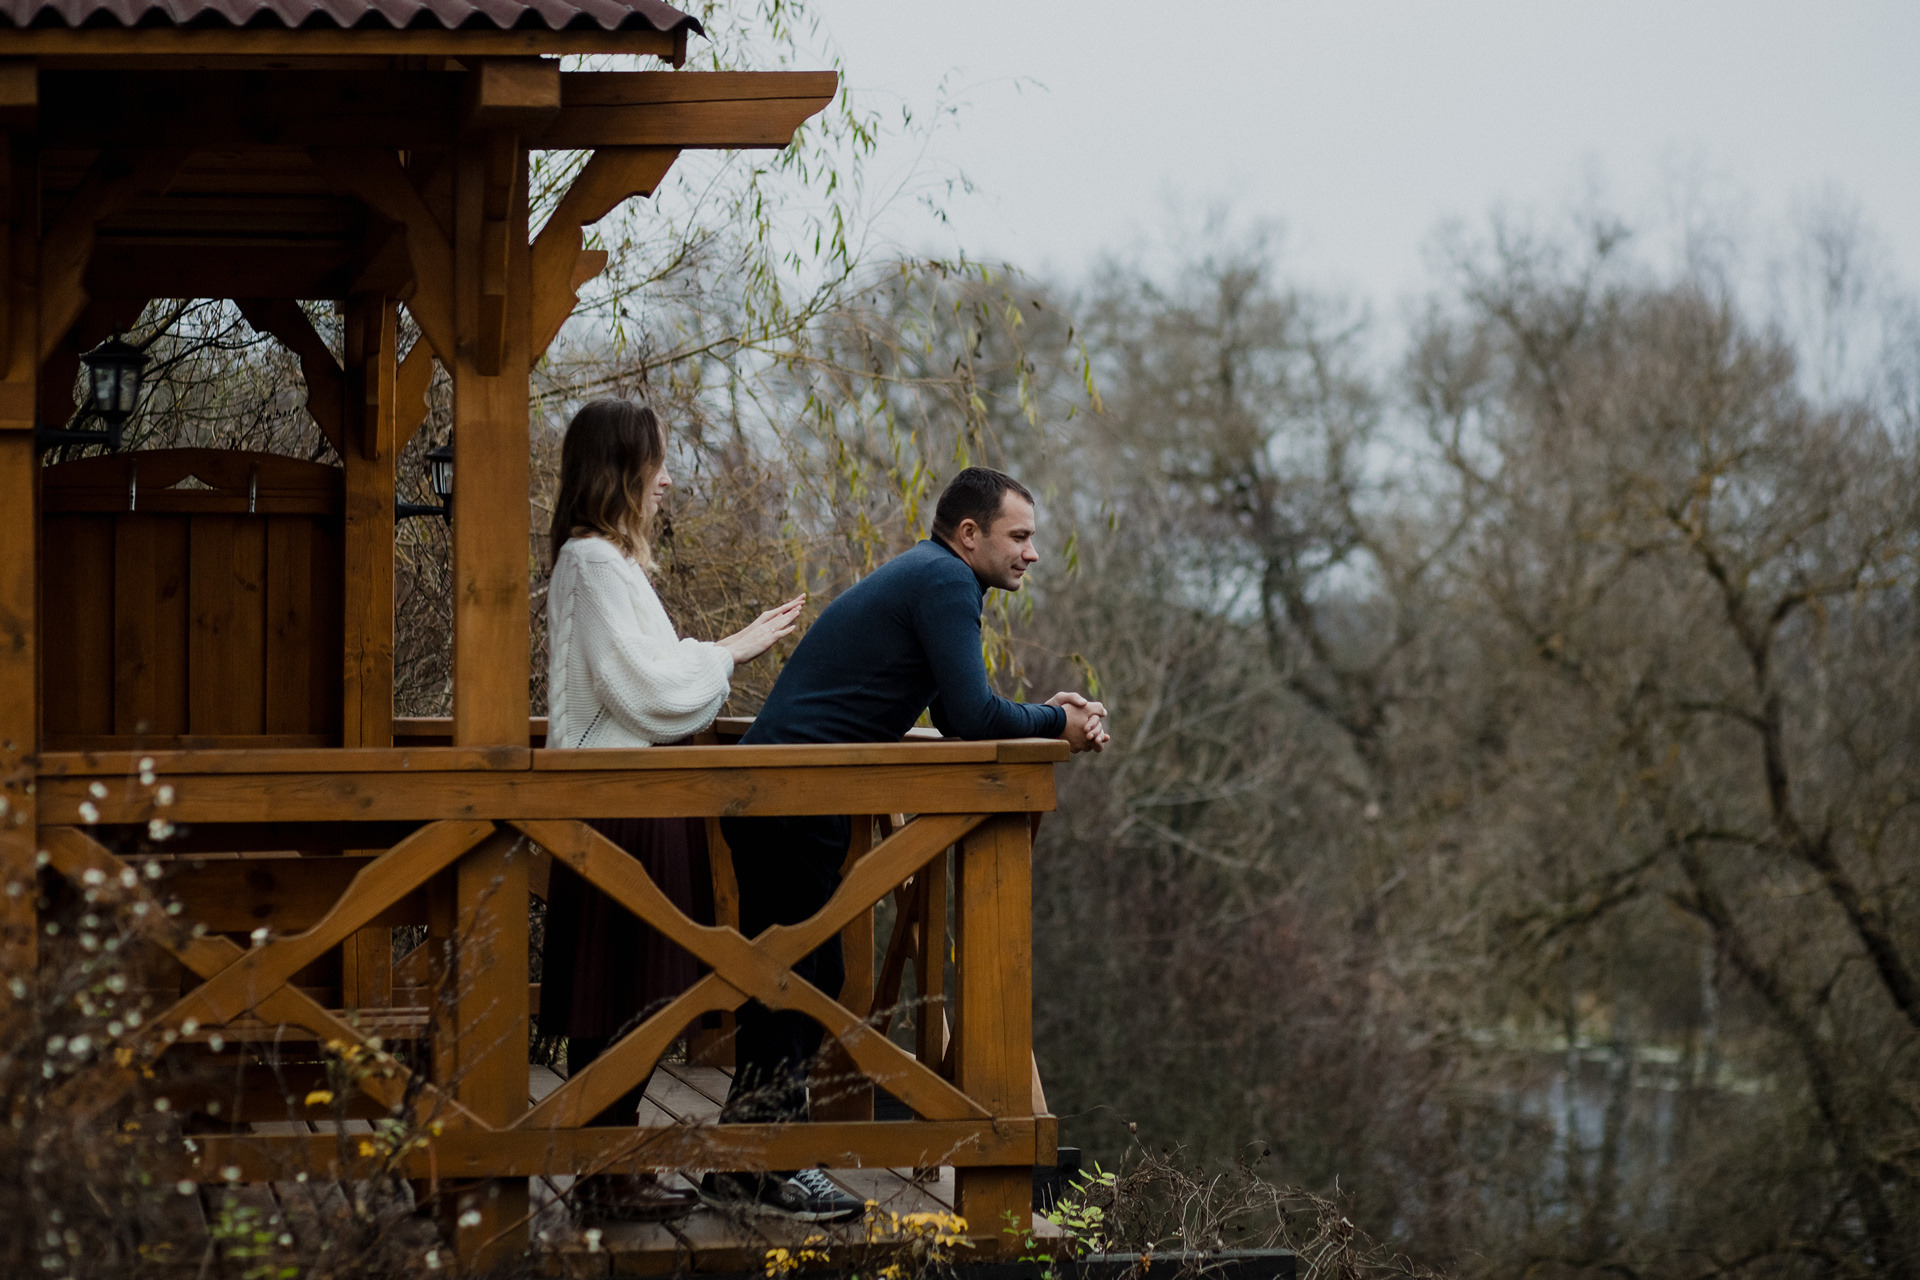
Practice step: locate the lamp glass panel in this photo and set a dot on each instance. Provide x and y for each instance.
(104, 396)
(440, 477)
(129, 376)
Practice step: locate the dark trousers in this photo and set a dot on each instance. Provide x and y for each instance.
(626, 1109)
(786, 868)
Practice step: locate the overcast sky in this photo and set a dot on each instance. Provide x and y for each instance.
(1362, 125)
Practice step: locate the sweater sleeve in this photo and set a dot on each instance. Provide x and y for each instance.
(661, 690)
(947, 620)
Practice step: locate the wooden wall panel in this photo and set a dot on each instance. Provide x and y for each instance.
(150, 625)
(327, 682)
(77, 600)
(289, 633)
(226, 640)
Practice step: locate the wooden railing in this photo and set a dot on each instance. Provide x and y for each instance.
(473, 825)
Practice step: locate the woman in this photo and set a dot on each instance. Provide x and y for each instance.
(619, 676)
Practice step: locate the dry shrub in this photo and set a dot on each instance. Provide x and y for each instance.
(1158, 1203)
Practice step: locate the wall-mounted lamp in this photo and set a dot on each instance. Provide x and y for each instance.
(439, 462)
(114, 370)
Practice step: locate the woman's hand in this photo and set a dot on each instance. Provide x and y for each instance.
(759, 635)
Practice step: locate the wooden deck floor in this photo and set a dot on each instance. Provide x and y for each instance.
(703, 1240)
(707, 1240)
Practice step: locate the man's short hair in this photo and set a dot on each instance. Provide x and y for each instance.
(975, 494)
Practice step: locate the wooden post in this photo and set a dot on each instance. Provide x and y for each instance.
(369, 449)
(490, 987)
(491, 642)
(491, 651)
(19, 566)
(994, 1051)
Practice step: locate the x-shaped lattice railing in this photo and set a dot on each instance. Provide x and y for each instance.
(239, 981)
(760, 969)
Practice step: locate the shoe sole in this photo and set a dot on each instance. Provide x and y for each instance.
(742, 1205)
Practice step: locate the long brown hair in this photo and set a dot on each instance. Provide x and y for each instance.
(612, 452)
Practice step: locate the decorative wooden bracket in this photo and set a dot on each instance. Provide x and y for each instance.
(376, 178)
(326, 387)
(561, 265)
(410, 386)
(115, 178)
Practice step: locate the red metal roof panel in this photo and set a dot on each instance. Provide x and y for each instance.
(446, 15)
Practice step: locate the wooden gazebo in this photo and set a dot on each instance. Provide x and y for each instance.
(206, 638)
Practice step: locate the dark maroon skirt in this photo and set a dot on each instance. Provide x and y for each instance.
(604, 969)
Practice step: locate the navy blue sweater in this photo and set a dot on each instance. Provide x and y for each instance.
(903, 640)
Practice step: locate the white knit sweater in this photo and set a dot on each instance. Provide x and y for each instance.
(618, 675)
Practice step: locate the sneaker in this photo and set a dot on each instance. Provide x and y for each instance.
(609, 1198)
(807, 1196)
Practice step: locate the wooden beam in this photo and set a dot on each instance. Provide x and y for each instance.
(311, 272)
(369, 452)
(491, 517)
(733, 760)
(420, 110)
(511, 95)
(697, 791)
(532, 1153)
(611, 176)
(375, 176)
(326, 388)
(274, 49)
(19, 94)
(722, 109)
(115, 178)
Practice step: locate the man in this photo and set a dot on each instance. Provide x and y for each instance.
(904, 640)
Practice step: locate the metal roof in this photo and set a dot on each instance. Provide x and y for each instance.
(443, 15)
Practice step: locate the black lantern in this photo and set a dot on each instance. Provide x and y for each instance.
(439, 481)
(440, 473)
(113, 381)
(113, 391)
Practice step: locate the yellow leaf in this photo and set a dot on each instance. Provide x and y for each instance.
(320, 1098)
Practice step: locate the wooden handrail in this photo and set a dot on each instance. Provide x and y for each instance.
(110, 764)
(429, 730)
